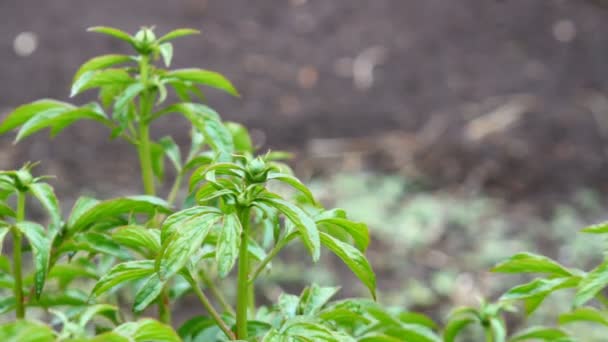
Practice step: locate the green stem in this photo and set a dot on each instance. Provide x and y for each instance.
(243, 275)
(18, 288)
(207, 305)
(147, 174)
(217, 294)
(488, 333)
(146, 160)
(275, 250)
(175, 188)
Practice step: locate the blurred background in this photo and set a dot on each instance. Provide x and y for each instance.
(460, 131)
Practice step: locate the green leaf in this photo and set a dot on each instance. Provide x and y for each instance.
(82, 205)
(103, 244)
(179, 244)
(100, 78)
(128, 95)
(204, 77)
(141, 239)
(294, 182)
(228, 243)
(315, 297)
(587, 314)
(24, 113)
(166, 51)
(113, 32)
(106, 310)
(354, 259)
(531, 263)
(176, 34)
(172, 152)
(538, 333)
(600, 228)
(303, 222)
(126, 271)
(288, 305)
(358, 231)
(101, 62)
(147, 330)
(65, 273)
(539, 287)
(592, 284)
(5, 210)
(94, 213)
(455, 327)
(40, 248)
(241, 137)
(45, 194)
(26, 331)
(148, 292)
(4, 229)
(207, 122)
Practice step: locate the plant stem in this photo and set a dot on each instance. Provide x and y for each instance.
(205, 301)
(275, 250)
(217, 294)
(18, 288)
(175, 188)
(488, 333)
(243, 277)
(145, 160)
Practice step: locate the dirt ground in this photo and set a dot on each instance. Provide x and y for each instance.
(505, 95)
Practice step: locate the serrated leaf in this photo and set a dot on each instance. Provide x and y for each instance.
(40, 244)
(204, 77)
(90, 212)
(538, 333)
(354, 259)
(113, 32)
(176, 34)
(592, 284)
(228, 243)
(26, 331)
(24, 113)
(148, 292)
(126, 271)
(166, 51)
(303, 222)
(101, 62)
(531, 263)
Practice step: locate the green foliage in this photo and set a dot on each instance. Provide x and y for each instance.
(145, 250)
(148, 250)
